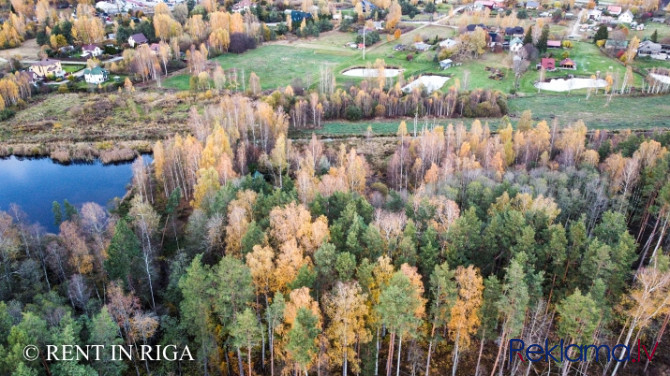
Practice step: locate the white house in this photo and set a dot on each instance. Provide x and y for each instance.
(516, 44)
(47, 67)
(137, 39)
(595, 14)
(626, 17)
(420, 46)
(90, 50)
(96, 75)
(449, 43)
(446, 63)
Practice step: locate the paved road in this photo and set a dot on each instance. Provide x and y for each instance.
(575, 27)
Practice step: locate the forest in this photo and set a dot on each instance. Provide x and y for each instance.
(272, 256)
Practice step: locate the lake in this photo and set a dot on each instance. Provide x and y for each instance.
(34, 184)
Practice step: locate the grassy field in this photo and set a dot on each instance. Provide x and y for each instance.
(622, 112)
(281, 63)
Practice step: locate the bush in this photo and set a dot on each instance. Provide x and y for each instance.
(522, 14)
(282, 29)
(240, 42)
(325, 24)
(410, 57)
(6, 114)
(371, 38)
(346, 25)
(354, 113)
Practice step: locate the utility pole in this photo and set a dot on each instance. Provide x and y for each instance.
(364, 41)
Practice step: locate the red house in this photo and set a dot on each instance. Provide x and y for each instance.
(568, 64)
(547, 63)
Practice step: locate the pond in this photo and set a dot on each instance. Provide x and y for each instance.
(34, 184)
(370, 72)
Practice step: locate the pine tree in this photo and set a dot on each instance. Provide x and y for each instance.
(528, 38)
(542, 41)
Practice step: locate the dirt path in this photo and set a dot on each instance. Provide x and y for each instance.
(424, 25)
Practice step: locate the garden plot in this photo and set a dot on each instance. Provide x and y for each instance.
(371, 72)
(430, 82)
(559, 84)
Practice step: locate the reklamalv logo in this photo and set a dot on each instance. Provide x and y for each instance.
(576, 353)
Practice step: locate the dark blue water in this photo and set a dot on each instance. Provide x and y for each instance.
(34, 184)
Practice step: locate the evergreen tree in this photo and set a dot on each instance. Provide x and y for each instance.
(601, 34)
(122, 254)
(58, 213)
(542, 41)
(301, 345)
(528, 38)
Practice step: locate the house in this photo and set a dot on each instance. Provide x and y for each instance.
(420, 46)
(32, 77)
(614, 10)
(626, 17)
(484, 4)
(648, 47)
(532, 5)
(66, 49)
(90, 50)
(616, 45)
(137, 39)
(595, 14)
(297, 16)
(244, 5)
(472, 27)
(47, 67)
(446, 64)
(379, 25)
(516, 30)
(516, 44)
(568, 64)
(449, 43)
(553, 44)
(367, 6)
(95, 75)
(547, 63)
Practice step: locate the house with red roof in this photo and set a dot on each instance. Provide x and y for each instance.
(553, 44)
(614, 10)
(549, 64)
(568, 64)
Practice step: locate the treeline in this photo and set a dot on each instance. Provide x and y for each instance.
(269, 257)
(372, 98)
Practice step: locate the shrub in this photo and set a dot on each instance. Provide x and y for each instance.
(240, 42)
(522, 14)
(354, 113)
(371, 38)
(6, 114)
(325, 24)
(410, 57)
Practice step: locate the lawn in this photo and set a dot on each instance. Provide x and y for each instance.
(69, 68)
